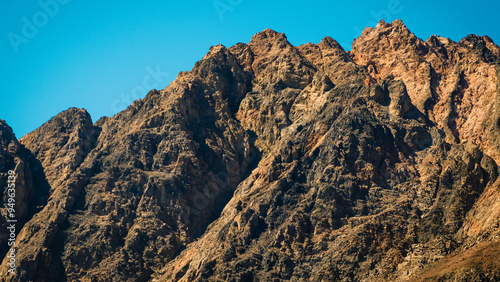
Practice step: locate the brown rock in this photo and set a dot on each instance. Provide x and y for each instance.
(270, 162)
(14, 158)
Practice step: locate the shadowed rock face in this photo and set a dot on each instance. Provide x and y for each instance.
(270, 162)
(13, 157)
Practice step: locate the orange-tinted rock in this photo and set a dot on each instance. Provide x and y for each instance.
(270, 162)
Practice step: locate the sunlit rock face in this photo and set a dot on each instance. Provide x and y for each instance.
(274, 162)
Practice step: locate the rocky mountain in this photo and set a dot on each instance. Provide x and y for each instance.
(274, 162)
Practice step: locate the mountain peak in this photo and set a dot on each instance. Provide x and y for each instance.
(398, 22)
(268, 34)
(386, 36)
(330, 42)
(215, 50)
(397, 26)
(270, 162)
(267, 40)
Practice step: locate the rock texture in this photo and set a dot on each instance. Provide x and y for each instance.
(13, 157)
(271, 162)
(454, 84)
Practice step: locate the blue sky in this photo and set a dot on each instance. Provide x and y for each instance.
(101, 55)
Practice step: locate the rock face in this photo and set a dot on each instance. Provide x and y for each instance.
(270, 162)
(13, 157)
(454, 84)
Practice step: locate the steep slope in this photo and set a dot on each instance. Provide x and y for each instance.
(358, 185)
(14, 158)
(270, 162)
(455, 84)
(61, 144)
(58, 148)
(132, 190)
(162, 171)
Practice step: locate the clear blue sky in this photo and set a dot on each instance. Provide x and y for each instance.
(99, 55)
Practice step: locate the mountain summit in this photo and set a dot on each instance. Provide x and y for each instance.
(274, 162)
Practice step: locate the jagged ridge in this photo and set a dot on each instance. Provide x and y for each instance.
(291, 163)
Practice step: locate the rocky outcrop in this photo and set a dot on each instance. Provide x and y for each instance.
(61, 144)
(271, 162)
(58, 148)
(147, 181)
(454, 84)
(363, 181)
(14, 158)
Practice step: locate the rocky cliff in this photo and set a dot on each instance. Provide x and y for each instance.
(272, 162)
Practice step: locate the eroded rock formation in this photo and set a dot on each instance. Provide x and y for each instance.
(270, 162)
